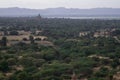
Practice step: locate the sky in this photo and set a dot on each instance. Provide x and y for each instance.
(42, 4)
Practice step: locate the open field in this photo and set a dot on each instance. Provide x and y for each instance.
(20, 37)
(45, 43)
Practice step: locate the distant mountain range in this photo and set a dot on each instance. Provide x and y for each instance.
(58, 12)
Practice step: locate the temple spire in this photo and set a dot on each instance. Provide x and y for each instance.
(39, 16)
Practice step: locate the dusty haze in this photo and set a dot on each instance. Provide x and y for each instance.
(41, 4)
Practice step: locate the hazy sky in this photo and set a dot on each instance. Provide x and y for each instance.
(40, 4)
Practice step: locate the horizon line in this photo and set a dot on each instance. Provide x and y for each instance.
(62, 7)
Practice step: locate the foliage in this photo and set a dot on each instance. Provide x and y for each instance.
(69, 52)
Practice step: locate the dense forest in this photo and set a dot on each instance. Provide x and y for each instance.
(70, 57)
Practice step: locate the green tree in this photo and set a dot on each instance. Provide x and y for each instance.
(4, 66)
(23, 76)
(31, 38)
(2, 77)
(4, 41)
(14, 33)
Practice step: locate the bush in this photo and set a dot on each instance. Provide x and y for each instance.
(13, 33)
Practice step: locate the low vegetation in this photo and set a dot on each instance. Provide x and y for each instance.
(63, 54)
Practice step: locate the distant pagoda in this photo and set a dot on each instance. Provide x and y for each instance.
(39, 16)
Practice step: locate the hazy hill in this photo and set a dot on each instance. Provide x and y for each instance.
(59, 12)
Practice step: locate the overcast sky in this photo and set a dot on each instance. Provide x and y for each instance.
(41, 4)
